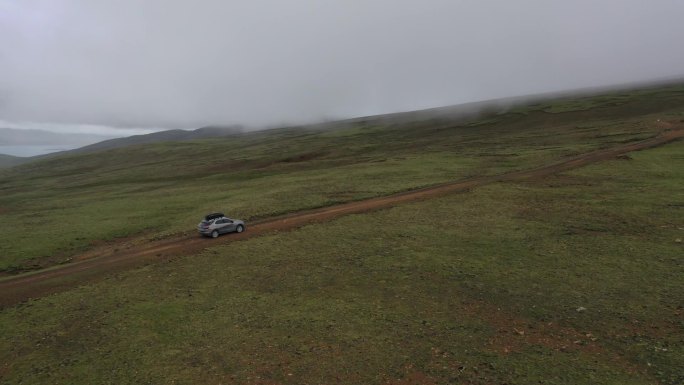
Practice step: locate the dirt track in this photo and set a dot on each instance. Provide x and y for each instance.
(19, 288)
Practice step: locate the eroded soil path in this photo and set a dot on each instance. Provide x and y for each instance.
(91, 266)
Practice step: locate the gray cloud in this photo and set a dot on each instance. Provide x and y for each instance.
(182, 63)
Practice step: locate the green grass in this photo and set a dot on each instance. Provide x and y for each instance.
(53, 209)
(473, 288)
(603, 101)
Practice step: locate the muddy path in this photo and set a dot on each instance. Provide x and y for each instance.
(91, 266)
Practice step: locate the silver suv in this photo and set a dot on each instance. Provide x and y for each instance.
(216, 224)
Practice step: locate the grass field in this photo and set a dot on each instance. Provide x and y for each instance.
(52, 209)
(574, 279)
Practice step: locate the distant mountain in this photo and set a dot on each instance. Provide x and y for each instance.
(31, 137)
(14, 138)
(162, 136)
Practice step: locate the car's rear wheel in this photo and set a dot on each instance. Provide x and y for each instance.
(214, 234)
(240, 228)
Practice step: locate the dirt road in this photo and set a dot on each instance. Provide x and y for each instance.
(32, 285)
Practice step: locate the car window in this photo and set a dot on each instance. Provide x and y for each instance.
(220, 221)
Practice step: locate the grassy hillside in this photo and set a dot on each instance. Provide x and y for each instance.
(51, 209)
(574, 279)
(10, 161)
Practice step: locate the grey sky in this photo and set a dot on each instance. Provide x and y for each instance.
(184, 64)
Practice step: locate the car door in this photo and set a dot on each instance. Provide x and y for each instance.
(230, 225)
(221, 226)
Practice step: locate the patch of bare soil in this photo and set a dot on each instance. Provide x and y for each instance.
(413, 377)
(91, 266)
(514, 333)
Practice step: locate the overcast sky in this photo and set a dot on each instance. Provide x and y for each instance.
(183, 64)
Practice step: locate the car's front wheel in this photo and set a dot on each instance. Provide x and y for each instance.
(240, 228)
(214, 234)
